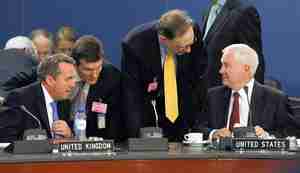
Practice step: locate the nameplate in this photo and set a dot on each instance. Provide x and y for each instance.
(87, 146)
(260, 144)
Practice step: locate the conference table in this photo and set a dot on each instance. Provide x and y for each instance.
(178, 159)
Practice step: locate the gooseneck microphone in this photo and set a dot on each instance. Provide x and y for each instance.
(153, 103)
(23, 108)
(34, 140)
(33, 134)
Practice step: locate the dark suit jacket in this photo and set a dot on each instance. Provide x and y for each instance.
(141, 64)
(238, 22)
(15, 64)
(20, 79)
(108, 89)
(268, 106)
(15, 121)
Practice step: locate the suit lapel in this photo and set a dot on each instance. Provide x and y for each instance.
(225, 103)
(40, 106)
(153, 57)
(219, 22)
(257, 103)
(221, 19)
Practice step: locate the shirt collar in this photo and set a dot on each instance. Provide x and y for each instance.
(48, 98)
(221, 2)
(77, 77)
(250, 85)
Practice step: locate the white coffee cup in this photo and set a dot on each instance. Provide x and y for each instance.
(193, 137)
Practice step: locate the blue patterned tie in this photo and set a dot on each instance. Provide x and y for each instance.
(54, 111)
(55, 117)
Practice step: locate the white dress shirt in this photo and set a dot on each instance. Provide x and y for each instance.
(48, 100)
(243, 104)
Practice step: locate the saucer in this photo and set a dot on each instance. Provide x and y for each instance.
(195, 144)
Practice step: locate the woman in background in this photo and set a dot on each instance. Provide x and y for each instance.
(65, 38)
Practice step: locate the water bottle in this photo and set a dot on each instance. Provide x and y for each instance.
(80, 124)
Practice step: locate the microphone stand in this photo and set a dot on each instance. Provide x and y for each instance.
(34, 140)
(153, 102)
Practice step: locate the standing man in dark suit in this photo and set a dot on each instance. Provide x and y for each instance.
(231, 22)
(102, 84)
(228, 105)
(57, 79)
(158, 55)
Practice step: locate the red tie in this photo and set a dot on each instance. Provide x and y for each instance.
(235, 115)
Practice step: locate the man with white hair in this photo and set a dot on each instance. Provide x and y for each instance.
(17, 60)
(21, 43)
(243, 101)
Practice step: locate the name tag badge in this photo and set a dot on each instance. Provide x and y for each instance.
(101, 121)
(101, 109)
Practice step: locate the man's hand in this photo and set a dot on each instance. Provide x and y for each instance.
(60, 127)
(221, 133)
(259, 131)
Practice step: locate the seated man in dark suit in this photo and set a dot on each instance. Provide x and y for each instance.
(101, 83)
(57, 80)
(229, 106)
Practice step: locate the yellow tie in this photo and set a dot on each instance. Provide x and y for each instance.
(170, 84)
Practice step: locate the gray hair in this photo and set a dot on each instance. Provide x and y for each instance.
(173, 23)
(245, 55)
(50, 65)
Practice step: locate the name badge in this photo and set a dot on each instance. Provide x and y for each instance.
(101, 109)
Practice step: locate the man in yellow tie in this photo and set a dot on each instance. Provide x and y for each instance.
(163, 64)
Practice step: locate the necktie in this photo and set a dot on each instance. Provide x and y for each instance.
(55, 116)
(170, 88)
(54, 111)
(79, 101)
(235, 114)
(214, 11)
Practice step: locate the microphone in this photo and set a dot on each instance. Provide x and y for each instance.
(152, 132)
(153, 102)
(34, 140)
(23, 108)
(33, 134)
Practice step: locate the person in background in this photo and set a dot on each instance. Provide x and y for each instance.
(163, 66)
(21, 43)
(56, 82)
(231, 22)
(18, 59)
(229, 106)
(43, 42)
(64, 40)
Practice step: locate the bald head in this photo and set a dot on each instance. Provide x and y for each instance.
(42, 40)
